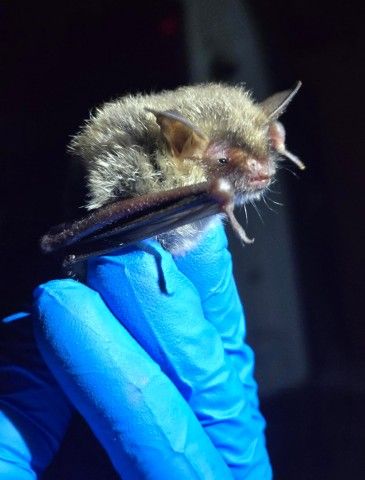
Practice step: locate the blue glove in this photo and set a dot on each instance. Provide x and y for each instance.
(151, 353)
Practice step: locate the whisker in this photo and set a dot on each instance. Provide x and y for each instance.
(276, 192)
(289, 170)
(257, 211)
(276, 203)
(264, 199)
(245, 210)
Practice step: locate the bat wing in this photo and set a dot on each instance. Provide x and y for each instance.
(127, 221)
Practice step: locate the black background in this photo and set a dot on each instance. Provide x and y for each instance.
(58, 59)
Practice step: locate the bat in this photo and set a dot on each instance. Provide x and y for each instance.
(167, 165)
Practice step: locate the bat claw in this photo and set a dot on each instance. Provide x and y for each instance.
(236, 226)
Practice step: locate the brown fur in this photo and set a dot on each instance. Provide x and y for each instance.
(130, 149)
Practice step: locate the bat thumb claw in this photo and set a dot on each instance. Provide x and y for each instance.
(237, 227)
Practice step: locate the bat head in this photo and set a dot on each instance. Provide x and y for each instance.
(246, 156)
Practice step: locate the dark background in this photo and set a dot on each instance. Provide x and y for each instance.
(59, 59)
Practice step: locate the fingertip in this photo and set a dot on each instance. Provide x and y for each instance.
(58, 301)
(209, 262)
(145, 263)
(214, 241)
(53, 287)
(218, 233)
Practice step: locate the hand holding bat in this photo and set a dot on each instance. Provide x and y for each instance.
(165, 398)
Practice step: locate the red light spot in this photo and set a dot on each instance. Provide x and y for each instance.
(168, 26)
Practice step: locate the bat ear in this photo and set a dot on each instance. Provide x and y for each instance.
(183, 138)
(277, 140)
(275, 105)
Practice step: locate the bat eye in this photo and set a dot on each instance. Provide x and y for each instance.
(223, 160)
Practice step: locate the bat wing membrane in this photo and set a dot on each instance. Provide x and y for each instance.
(131, 220)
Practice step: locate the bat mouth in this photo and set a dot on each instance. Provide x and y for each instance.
(259, 181)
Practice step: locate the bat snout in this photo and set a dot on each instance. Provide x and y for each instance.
(259, 173)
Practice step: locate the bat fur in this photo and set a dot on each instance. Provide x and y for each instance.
(125, 154)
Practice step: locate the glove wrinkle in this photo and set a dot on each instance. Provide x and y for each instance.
(150, 248)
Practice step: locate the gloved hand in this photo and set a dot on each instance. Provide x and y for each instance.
(151, 353)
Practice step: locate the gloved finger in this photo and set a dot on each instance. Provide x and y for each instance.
(34, 412)
(169, 323)
(209, 267)
(136, 412)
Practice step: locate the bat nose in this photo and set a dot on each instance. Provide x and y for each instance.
(258, 168)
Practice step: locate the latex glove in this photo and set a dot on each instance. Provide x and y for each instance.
(158, 323)
(34, 412)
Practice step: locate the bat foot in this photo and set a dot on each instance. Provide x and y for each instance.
(236, 226)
